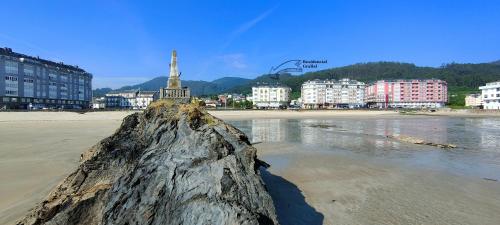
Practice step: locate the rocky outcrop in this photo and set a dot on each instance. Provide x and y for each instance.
(171, 164)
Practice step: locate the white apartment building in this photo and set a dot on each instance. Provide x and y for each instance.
(491, 95)
(131, 99)
(474, 100)
(99, 103)
(344, 93)
(144, 98)
(271, 96)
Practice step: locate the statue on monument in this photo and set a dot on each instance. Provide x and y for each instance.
(174, 89)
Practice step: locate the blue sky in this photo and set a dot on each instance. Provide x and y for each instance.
(128, 42)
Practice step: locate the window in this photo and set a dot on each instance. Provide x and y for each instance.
(10, 78)
(11, 67)
(40, 73)
(27, 80)
(81, 93)
(64, 78)
(52, 76)
(11, 85)
(52, 90)
(29, 70)
(11, 92)
(29, 87)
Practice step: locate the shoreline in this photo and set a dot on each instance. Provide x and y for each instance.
(30, 116)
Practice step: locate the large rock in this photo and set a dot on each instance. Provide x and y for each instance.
(172, 164)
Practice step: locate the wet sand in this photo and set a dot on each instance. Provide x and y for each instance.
(298, 114)
(324, 114)
(38, 150)
(340, 189)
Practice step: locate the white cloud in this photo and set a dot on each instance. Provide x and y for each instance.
(234, 61)
(246, 26)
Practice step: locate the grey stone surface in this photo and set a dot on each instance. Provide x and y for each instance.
(168, 165)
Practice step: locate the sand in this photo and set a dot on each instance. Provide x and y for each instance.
(38, 149)
(338, 189)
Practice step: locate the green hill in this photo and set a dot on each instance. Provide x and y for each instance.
(462, 78)
(198, 88)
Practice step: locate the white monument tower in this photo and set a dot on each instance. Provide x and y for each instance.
(174, 89)
(173, 79)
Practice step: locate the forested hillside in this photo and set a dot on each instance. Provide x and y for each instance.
(197, 88)
(461, 78)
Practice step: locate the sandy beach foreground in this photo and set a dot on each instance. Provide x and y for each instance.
(38, 149)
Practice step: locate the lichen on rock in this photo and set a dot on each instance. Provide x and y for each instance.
(171, 164)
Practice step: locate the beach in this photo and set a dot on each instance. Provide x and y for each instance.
(38, 149)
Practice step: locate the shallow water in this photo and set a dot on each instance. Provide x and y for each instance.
(477, 139)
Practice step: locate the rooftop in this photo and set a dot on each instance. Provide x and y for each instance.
(408, 80)
(491, 85)
(265, 85)
(340, 81)
(8, 52)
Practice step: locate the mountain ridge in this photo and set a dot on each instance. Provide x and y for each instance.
(198, 87)
(462, 78)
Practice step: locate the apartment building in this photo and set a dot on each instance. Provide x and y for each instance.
(271, 96)
(344, 93)
(474, 100)
(491, 95)
(130, 99)
(28, 82)
(415, 93)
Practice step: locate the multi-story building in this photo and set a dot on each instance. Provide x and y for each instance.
(415, 93)
(30, 82)
(491, 95)
(474, 100)
(271, 96)
(344, 93)
(144, 98)
(99, 103)
(130, 99)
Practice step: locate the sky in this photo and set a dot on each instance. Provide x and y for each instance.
(129, 42)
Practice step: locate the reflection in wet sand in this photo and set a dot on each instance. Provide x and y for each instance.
(477, 139)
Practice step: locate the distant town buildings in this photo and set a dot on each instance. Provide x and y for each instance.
(344, 93)
(99, 103)
(271, 96)
(491, 95)
(129, 99)
(174, 89)
(431, 93)
(28, 82)
(474, 100)
(210, 103)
